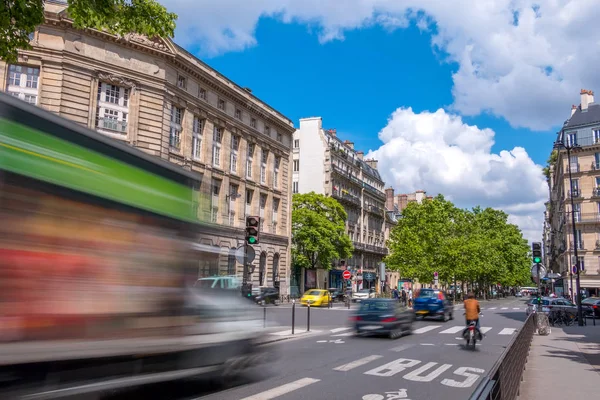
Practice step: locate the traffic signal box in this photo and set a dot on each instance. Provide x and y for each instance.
(536, 249)
(252, 230)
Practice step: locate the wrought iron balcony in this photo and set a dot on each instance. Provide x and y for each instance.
(596, 192)
(583, 217)
(374, 191)
(111, 124)
(595, 166)
(580, 245)
(375, 210)
(347, 197)
(574, 168)
(575, 193)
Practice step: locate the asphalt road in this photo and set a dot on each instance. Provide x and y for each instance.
(430, 364)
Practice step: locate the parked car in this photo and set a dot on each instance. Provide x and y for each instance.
(551, 303)
(268, 295)
(383, 317)
(336, 295)
(363, 294)
(315, 297)
(591, 306)
(433, 303)
(518, 294)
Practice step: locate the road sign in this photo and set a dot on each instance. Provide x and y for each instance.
(347, 275)
(369, 276)
(435, 275)
(240, 254)
(574, 269)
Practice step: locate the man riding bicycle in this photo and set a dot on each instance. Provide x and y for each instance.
(472, 311)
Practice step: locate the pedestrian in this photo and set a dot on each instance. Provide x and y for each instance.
(410, 297)
(404, 297)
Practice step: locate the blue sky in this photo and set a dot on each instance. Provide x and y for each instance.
(459, 97)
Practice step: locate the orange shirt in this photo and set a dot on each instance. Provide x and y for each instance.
(472, 309)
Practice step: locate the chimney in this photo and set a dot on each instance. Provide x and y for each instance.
(587, 97)
(372, 163)
(402, 202)
(349, 144)
(573, 109)
(389, 199)
(360, 154)
(332, 132)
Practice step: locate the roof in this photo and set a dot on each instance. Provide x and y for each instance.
(581, 118)
(363, 164)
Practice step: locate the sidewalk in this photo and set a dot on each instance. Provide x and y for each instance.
(563, 365)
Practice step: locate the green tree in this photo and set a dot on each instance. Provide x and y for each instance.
(19, 18)
(318, 231)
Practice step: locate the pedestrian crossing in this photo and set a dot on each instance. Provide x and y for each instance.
(461, 307)
(435, 329)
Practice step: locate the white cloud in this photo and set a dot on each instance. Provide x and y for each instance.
(439, 153)
(528, 73)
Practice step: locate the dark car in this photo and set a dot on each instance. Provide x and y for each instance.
(591, 306)
(382, 317)
(269, 295)
(433, 303)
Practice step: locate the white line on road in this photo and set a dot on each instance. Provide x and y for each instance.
(504, 308)
(451, 344)
(344, 334)
(357, 363)
(507, 331)
(427, 344)
(485, 329)
(454, 329)
(426, 329)
(493, 308)
(283, 389)
(401, 347)
(336, 330)
(516, 308)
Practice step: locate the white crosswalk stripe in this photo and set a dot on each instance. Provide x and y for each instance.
(357, 363)
(493, 308)
(343, 334)
(485, 329)
(504, 308)
(426, 329)
(507, 331)
(336, 330)
(283, 389)
(454, 329)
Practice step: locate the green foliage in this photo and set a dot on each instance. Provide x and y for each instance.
(466, 245)
(549, 163)
(19, 18)
(318, 231)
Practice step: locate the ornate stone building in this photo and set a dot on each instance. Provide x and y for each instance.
(154, 95)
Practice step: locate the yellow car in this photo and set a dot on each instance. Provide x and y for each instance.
(315, 297)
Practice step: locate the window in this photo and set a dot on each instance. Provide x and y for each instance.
(197, 128)
(235, 142)
(294, 187)
(275, 214)
(216, 148)
(216, 190)
(249, 160)
(231, 262)
(238, 113)
(253, 122)
(221, 104)
(113, 108)
(233, 194)
(181, 83)
(578, 239)
(596, 133)
(279, 137)
(262, 205)
(296, 165)
(202, 93)
(296, 143)
(581, 263)
(574, 164)
(23, 83)
(263, 166)
(249, 195)
(175, 132)
(276, 172)
(267, 130)
(571, 139)
(575, 187)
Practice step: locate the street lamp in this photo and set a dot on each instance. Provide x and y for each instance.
(568, 147)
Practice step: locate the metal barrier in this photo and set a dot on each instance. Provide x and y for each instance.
(504, 379)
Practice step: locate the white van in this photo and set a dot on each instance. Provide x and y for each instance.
(218, 282)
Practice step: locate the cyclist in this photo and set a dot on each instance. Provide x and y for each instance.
(472, 310)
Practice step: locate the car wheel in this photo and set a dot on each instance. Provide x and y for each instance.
(451, 315)
(395, 334)
(445, 317)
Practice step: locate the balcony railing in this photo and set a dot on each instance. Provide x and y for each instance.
(374, 191)
(580, 245)
(596, 192)
(584, 217)
(595, 166)
(349, 176)
(346, 197)
(575, 193)
(574, 168)
(375, 210)
(111, 124)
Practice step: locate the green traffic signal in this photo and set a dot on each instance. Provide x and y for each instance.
(251, 240)
(537, 260)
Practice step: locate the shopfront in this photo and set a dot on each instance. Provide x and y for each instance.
(335, 279)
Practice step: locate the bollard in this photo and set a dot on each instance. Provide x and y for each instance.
(293, 315)
(264, 316)
(308, 319)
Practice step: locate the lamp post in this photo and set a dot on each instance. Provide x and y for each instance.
(568, 147)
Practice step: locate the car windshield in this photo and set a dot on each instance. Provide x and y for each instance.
(376, 306)
(205, 283)
(535, 301)
(314, 293)
(428, 294)
(590, 300)
(364, 291)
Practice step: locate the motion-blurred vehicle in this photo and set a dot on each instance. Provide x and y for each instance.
(433, 303)
(267, 295)
(315, 297)
(98, 261)
(518, 294)
(336, 294)
(219, 282)
(363, 294)
(591, 306)
(382, 317)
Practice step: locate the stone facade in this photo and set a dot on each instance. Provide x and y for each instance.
(157, 97)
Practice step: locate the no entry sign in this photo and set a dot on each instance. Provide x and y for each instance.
(347, 275)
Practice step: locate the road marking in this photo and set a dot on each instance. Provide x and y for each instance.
(321, 341)
(504, 308)
(516, 308)
(454, 329)
(427, 344)
(283, 389)
(336, 330)
(357, 363)
(344, 334)
(507, 331)
(289, 332)
(451, 344)
(416, 376)
(493, 308)
(485, 329)
(401, 347)
(426, 329)
(393, 368)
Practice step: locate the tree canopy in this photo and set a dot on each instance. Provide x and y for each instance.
(19, 18)
(477, 245)
(318, 231)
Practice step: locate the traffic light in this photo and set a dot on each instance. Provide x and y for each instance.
(252, 230)
(536, 248)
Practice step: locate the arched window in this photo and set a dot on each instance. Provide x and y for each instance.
(262, 269)
(276, 268)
